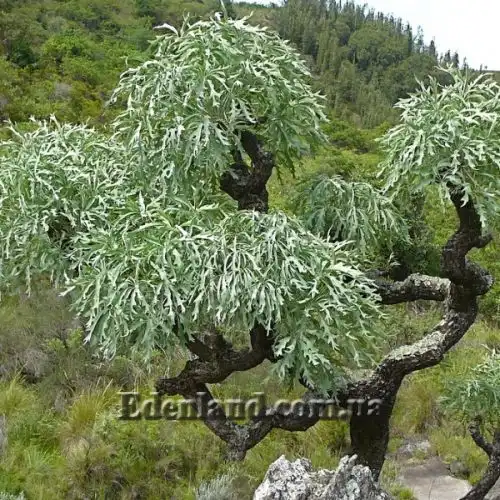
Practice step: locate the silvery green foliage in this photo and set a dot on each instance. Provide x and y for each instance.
(151, 250)
(477, 393)
(449, 135)
(219, 488)
(9, 496)
(351, 211)
(205, 266)
(205, 83)
(58, 174)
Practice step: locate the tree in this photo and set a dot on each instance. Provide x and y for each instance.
(447, 58)
(420, 40)
(18, 33)
(432, 49)
(411, 41)
(161, 234)
(475, 397)
(375, 47)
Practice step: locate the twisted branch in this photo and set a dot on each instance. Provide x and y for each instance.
(492, 472)
(414, 287)
(460, 284)
(478, 438)
(248, 185)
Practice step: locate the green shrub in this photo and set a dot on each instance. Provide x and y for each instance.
(8, 496)
(219, 488)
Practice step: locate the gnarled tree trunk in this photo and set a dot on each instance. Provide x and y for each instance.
(459, 285)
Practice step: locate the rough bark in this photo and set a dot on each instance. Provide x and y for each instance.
(216, 362)
(466, 282)
(247, 185)
(414, 287)
(459, 285)
(369, 430)
(492, 472)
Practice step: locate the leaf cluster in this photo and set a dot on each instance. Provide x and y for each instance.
(477, 393)
(349, 211)
(449, 136)
(188, 104)
(136, 230)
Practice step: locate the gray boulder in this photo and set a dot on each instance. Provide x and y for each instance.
(494, 493)
(286, 480)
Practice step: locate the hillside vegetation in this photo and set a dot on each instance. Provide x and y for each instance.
(64, 57)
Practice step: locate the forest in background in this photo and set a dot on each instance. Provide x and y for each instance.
(64, 57)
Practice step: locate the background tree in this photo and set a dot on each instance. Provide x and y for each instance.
(243, 91)
(386, 57)
(432, 49)
(475, 396)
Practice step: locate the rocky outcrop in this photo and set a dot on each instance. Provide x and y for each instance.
(286, 480)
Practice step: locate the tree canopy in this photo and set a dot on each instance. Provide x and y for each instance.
(449, 137)
(137, 230)
(158, 227)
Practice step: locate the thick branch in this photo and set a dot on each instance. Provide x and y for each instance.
(248, 185)
(217, 362)
(468, 280)
(454, 264)
(415, 287)
(492, 472)
(198, 348)
(241, 438)
(478, 438)
(430, 350)
(207, 348)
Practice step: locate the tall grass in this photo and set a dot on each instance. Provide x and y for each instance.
(64, 439)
